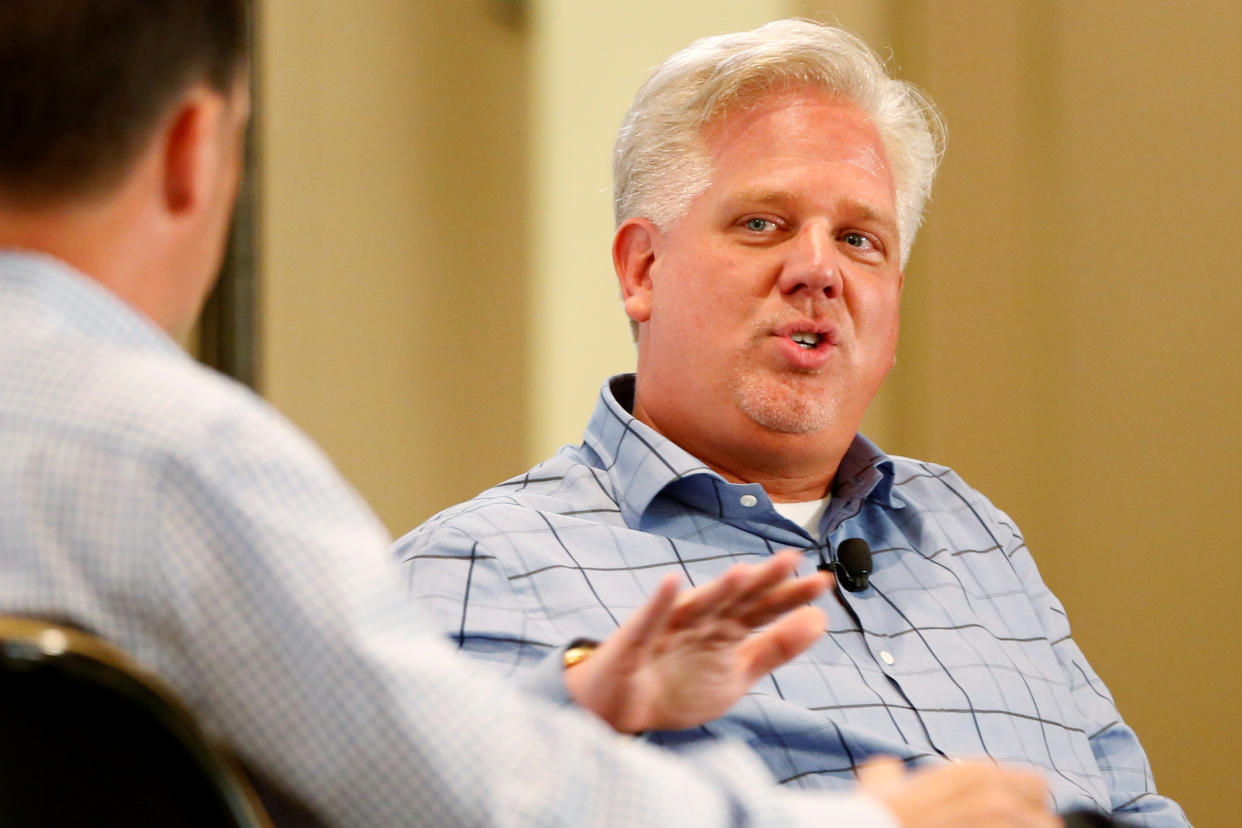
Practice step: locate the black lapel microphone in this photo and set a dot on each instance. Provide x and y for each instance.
(852, 566)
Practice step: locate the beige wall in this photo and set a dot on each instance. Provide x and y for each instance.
(1071, 338)
(439, 308)
(394, 242)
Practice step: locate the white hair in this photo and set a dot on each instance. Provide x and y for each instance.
(660, 161)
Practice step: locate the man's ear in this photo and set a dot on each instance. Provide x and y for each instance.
(190, 146)
(635, 250)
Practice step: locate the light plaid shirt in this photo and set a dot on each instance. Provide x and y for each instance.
(956, 650)
(175, 514)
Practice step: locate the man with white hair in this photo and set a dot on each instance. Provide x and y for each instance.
(768, 188)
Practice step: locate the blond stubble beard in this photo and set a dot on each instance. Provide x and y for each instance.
(784, 404)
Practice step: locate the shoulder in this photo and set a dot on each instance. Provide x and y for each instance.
(78, 365)
(917, 480)
(930, 488)
(910, 473)
(75, 401)
(562, 491)
(169, 406)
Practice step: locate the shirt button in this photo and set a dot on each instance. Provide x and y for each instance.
(748, 500)
(887, 656)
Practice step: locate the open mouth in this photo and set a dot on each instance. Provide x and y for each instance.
(806, 340)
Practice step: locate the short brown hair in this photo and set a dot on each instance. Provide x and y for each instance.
(83, 83)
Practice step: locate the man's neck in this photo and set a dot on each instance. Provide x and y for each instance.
(82, 233)
(783, 484)
(98, 237)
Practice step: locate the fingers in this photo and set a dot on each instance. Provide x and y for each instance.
(1022, 784)
(785, 639)
(1027, 785)
(763, 577)
(881, 772)
(753, 594)
(740, 583)
(882, 776)
(960, 795)
(763, 609)
(745, 597)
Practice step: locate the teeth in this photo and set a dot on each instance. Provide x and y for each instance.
(806, 340)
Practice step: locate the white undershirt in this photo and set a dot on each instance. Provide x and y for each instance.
(806, 513)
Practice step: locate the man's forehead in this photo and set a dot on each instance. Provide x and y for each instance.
(768, 153)
(814, 123)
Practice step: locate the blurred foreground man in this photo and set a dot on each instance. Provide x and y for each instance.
(172, 512)
(768, 186)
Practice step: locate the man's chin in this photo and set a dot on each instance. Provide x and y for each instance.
(790, 422)
(784, 410)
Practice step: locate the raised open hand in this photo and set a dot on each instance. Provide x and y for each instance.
(685, 658)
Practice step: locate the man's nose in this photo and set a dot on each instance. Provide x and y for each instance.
(813, 263)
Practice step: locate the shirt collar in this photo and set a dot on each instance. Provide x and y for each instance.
(639, 461)
(865, 473)
(641, 464)
(77, 301)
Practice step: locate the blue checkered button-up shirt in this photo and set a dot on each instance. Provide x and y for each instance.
(957, 649)
(177, 515)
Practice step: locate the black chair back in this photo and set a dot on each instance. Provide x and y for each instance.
(86, 738)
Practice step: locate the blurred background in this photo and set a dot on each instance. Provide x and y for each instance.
(435, 304)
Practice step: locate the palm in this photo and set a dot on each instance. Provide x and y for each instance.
(682, 660)
(695, 675)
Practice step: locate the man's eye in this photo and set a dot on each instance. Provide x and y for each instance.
(759, 225)
(858, 240)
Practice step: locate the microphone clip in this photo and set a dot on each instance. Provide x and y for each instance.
(852, 568)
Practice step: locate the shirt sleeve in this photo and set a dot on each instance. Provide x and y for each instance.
(1118, 754)
(459, 568)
